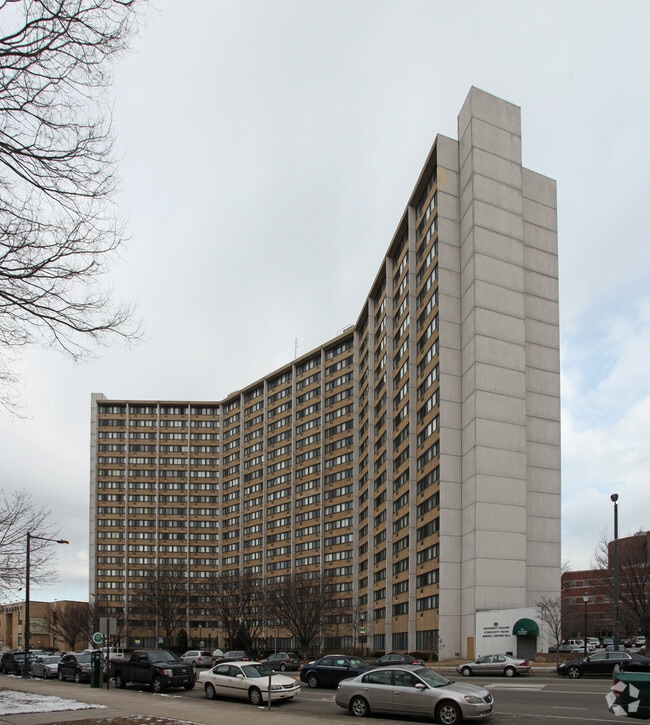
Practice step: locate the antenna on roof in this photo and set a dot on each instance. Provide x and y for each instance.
(295, 349)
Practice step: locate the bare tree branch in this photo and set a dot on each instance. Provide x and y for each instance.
(19, 515)
(165, 595)
(58, 222)
(71, 622)
(300, 604)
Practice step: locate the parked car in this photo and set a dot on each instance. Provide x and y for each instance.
(217, 655)
(328, 671)
(248, 681)
(237, 655)
(282, 661)
(159, 668)
(593, 643)
(396, 659)
(640, 641)
(46, 666)
(566, 648)
(12, 662)
(75, 666)
(414, 691)
(197, 658)
(603, 663)
(494, 665)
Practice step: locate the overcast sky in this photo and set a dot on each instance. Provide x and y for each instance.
(268, 150)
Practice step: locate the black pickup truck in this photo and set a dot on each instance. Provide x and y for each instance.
(158, 668)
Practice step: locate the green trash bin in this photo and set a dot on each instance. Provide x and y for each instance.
(96, 665)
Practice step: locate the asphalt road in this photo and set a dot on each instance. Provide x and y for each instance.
(529, 700)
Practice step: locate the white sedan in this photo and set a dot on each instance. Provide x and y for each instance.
(248, 681)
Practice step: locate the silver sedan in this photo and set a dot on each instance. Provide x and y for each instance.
(46, 666)
(415, 691)
(495, 665)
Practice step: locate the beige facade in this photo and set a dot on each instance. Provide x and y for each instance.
(413, 461)
(43, 618)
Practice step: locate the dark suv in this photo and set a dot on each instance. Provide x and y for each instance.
(12, 662)
(282, 661)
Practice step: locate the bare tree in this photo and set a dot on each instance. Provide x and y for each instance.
(239, 602)
(633, 578)
(71, 621)
(165, 595)
(550, 612)
(58, 223)
(300, 604)
(19, 515)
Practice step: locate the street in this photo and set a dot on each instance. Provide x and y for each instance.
(528, 700)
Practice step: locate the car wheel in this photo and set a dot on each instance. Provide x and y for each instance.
(77, 676)
(574, 672)
(510, 672)
(283, 667)
(312, 679)
(120, 682)
(61, 676)
(157, 684)
(255, 696)
(359, 707)
(210, 692)
(466, 672)
(448, 713)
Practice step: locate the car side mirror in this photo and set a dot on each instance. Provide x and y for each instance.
(420, 686)
(240, 676)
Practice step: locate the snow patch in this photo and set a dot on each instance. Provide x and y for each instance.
(13, 702)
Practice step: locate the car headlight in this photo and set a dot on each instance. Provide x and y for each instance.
(276, 687)
(167, 673)
(473, 700)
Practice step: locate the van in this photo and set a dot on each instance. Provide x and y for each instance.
(575, 644)
(112, 652)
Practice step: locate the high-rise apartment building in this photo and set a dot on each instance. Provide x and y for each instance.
(413, 461)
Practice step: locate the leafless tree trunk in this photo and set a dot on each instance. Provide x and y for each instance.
(633, 577)
(300, 604)
(550, 612)
(19, 515)
(165, 595)
(239, 602)
(71, 622)
(58, 223)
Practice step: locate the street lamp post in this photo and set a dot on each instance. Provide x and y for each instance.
(26, 625)
(614, 498)
(585, 599)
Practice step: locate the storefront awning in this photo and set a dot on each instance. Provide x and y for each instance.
(526, 627)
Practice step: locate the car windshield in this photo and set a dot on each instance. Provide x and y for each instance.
(431, 677)
(83, 657)
(256, 671)
(50, 660)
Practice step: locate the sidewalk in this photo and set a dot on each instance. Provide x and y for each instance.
(133, 707)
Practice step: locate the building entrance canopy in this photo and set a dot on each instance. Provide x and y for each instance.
(525, 627)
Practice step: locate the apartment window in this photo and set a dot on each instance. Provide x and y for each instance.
(429, 577)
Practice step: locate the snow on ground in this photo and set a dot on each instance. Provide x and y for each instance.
(13, 702)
